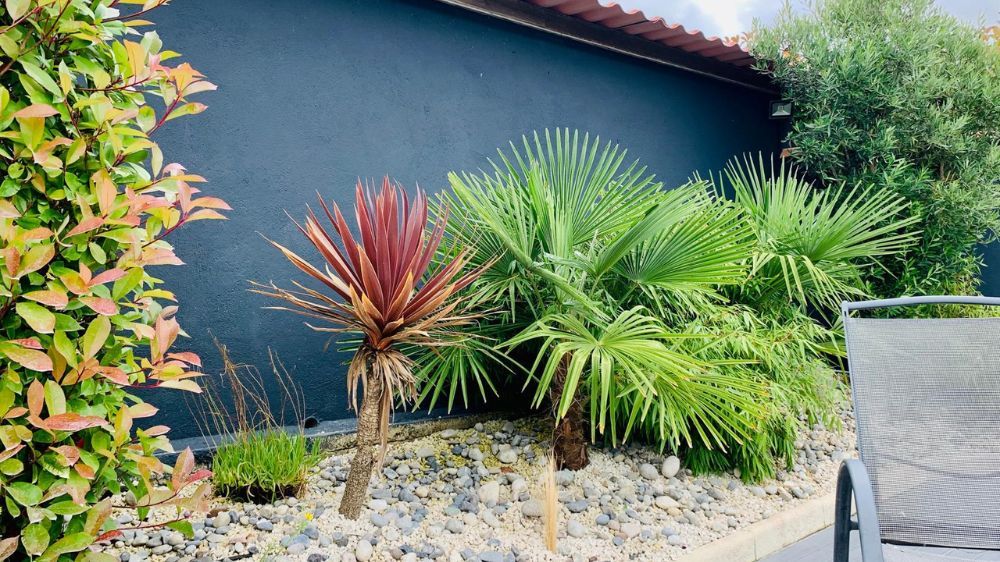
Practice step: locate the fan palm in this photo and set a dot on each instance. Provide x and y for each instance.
(586, 240)
(813, 244)
(380, 286)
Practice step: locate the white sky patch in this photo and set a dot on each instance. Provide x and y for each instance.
(725, 18)
(726, 15)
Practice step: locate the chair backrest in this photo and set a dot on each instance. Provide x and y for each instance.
(927, 404)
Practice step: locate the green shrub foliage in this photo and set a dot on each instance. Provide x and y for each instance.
(86, 200)
(678, 316)
(898, 94)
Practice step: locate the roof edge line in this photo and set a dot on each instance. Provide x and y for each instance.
(529, 15)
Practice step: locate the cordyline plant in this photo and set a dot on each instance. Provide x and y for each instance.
(389, 295)
(85, 203)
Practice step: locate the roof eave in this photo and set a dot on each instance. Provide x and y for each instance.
(618, 40)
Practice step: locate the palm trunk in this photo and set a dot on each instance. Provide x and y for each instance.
(569, 438)
(360, 474)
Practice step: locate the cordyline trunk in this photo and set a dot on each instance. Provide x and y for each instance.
(569, 438)
(360, 474)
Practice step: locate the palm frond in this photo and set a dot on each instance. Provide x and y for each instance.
(812, 243)
(632, 373)
(704, 244)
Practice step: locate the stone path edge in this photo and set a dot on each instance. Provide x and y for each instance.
(763, 538)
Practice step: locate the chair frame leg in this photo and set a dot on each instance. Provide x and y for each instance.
(853, 482)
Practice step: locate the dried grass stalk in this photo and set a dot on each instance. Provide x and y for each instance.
(550, 504)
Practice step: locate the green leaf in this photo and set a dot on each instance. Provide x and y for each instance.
(55, 399)
(68, 507)
(70, 543)
(41, 319)
(125, 284)
(35, 539)
(65, 347)
(98, 252)
(184, 527)
(24, 493)
(17, 8)
(42, 77)
(11, 467)
(66, 323)
(95, 336)
(9, 48)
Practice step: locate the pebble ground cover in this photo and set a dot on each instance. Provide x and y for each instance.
(473, 495)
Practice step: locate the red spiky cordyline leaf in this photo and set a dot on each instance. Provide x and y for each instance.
(381, 283)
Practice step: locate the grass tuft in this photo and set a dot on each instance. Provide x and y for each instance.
(263, 466)
(256, 458)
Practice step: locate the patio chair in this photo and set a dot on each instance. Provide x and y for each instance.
(927, 404)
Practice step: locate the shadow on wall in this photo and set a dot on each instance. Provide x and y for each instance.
(312, 98)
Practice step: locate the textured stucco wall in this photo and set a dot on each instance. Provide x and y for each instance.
(991, 274)
(314, 93)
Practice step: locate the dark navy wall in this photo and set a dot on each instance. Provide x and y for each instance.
(314, 93)
(991, 273)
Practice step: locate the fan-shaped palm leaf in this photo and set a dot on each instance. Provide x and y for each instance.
(811, 242)
(628, 367)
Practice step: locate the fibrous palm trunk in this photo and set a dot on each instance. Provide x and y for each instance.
(363, 462)
(569, 438)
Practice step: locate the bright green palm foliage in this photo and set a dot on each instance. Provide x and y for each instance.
(585, 240)
(810, 240)
(645, 296)
(811, 251)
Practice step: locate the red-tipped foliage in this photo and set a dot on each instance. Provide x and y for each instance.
(382, 283)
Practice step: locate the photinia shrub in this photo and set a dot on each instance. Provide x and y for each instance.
(85, 204)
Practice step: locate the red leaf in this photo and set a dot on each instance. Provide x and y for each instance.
(115, 375)
(142, 410)
(15, 412)
(156, 430)
(211, 203)
(8, 453)
(182, 469)
(86, 225)
(28, 358)
(36, 398)
(85, 471)
(7, 210)
(107, 276)
(199, 474)
(71, 453)
(108, 535)
(159, 256)
(205, 214)
(37, 110)
(55, 299)
(102, 306)
(75, 283)
(71, 422)
(186, 356)
(30, 343)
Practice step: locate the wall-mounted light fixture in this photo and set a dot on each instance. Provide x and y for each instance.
(781, 109)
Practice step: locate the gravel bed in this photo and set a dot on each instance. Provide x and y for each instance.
(472, 496)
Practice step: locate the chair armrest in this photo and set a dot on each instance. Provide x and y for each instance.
(853, 482)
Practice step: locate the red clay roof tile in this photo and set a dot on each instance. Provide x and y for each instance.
(635, 22)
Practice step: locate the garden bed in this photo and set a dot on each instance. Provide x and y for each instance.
(474, 495)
